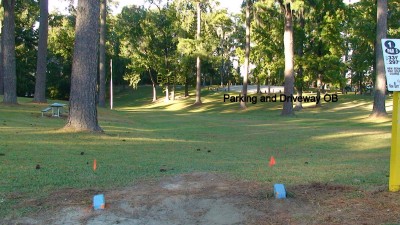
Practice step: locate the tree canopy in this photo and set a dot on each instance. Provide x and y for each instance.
(157, 44)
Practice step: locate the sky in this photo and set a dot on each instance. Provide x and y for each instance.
(233, 6)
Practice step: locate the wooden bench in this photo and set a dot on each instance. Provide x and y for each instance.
(45, 110)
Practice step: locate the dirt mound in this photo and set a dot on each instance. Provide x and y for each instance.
(204, 198)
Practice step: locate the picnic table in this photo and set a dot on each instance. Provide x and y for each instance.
(55, 109)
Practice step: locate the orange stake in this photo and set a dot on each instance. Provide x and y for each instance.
(272, 162)
(94, 165)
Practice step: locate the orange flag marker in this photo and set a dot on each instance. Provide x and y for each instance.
(94, 165)
(272, 162)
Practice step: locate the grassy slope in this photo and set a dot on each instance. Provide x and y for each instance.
(335, 143)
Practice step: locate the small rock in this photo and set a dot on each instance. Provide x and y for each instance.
(209, 151)
(306, 163)
(38, 167)
(82, 153)
(198, 149)
(163, 170)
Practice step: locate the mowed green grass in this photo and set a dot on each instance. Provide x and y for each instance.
(335, 143)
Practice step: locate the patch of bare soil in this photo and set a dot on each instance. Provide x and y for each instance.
(212, 199)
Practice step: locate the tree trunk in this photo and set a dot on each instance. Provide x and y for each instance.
(300, 81)
(379, 109)
(198, 63)
(102, 54)
(41, 68)
(9, 69)
(82, 105)
(269, 81)
(173, 90)
(299, 104)
(258, 86)
(166, 93)
(186, 85)
(346, 58)
(319, 84)
(246, 54)
(154, 87)
(1, 60)
(289, 61)
(222, 64)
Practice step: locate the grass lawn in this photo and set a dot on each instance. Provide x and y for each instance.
(335, 143)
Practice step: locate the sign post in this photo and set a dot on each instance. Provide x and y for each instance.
(391, 55)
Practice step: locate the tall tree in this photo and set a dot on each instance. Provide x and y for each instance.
(41, 68)
(300, 53)
(319, 45)
(27, 13)
(224, 30)
(148, 42)
(60, 54)
(10, 77)
(83, 112)
(1, 59)
(165, 24)
(289, 57)
(249, 5)
(268, 38)
(102, 53)
(198, 62)
(379, 109)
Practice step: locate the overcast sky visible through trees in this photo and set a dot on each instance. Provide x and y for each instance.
(233, 6)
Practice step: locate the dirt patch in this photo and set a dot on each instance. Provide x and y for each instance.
(204, 198)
